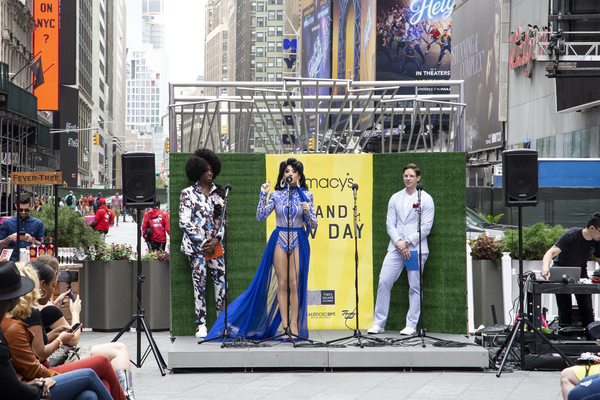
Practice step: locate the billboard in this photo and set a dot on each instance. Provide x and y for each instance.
(414, 40)
(316, 54)
(353, 39)
(476, 60)
(45, 39)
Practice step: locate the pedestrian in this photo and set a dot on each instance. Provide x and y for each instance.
(70, 200)
(158, 221)
(96, 205)
(32, 229)
(103, 219)
(116, 205)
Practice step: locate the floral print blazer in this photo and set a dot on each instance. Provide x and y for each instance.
(200, 217)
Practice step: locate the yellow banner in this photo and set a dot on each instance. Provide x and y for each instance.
(331, 285)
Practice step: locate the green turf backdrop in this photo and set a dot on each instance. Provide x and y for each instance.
(444, 277)
(445, 271)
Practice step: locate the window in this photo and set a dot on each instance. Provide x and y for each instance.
(260, 6)
(270, 77)
(279, 46)
(279, 62)
(260, 52)
(271, 30)
(280, 15)
(271, 62)
(253, 49)
(253, 6)
(225, 35)
(225, 57)
(280, 31)
(260, 21)
(224, 68)
(225, 46)
(271, 47)
(260, 37)
(253, 65)
(210, 12)
(280, 2)
(279, 77)
(253, 35)
(260, 67)
(272, 15)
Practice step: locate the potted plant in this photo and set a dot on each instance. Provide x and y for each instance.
(536, 241)
(156, 289)
(73, 229)
(486, 252)
(106, 285)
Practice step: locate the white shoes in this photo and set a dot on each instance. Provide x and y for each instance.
(201, 331)
(408, 331)
(375, 329)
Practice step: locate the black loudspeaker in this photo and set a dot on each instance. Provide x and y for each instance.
(139, 180)
(520, 177)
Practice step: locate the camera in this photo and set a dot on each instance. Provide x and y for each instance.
(68, 276)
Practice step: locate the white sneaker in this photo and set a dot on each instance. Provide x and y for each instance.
(201, 331)
(375, 329)
(408, 331)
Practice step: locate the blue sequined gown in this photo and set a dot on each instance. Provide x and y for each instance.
(255, 314)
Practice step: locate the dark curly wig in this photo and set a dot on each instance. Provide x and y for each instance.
(197, 164)
(297, 165)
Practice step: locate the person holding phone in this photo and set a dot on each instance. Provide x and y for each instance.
(32, 229)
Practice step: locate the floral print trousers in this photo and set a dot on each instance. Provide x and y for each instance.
(216, 267)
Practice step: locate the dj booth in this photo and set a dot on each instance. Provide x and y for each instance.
(534, 290)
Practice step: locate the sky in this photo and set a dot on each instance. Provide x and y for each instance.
(184, 39)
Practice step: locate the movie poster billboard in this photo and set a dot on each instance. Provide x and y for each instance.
(316, 54)
(476, 60)
(414, 40)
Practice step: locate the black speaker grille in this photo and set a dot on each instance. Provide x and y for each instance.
(520, 177)
(139, 181)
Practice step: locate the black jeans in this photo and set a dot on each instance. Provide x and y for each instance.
(565, 309)
(157, 245)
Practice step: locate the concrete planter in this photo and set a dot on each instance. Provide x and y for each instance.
(487, 291)
(107, 296)
(156, 293)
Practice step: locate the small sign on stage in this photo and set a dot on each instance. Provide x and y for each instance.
(36, 178)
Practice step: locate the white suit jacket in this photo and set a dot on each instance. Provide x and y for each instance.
(403, 226)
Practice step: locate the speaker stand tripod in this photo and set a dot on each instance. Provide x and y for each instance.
(140, 316)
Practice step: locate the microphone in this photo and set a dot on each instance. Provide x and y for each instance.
(419, 186)
(288, 179)
(227, 189)
(355, 189)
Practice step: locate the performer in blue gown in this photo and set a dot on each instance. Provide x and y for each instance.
(261, 311)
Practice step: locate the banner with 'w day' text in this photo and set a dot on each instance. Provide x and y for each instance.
(331, 288)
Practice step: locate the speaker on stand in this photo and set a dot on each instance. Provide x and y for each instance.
(520, 189)
(139, 191)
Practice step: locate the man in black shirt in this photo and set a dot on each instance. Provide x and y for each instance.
(573, 249)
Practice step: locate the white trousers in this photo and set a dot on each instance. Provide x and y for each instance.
(392, 267)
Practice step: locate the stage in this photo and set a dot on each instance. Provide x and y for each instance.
(185, 353)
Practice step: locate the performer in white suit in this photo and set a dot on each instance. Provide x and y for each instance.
(402, 227)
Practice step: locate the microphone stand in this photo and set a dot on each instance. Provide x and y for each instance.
(357, 334)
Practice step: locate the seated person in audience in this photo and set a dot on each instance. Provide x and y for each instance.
(53, 322)
(587, 389)
(80, 384)
(24, 360)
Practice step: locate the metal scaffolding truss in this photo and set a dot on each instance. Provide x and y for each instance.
(295, 116)
(565, 46)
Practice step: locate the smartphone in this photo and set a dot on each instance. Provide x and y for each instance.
(75, 328)
(68, 276)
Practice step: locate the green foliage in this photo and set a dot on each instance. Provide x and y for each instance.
(73, 229)
(536, 240)
(492, 219)
(486, 247)
(111, 252)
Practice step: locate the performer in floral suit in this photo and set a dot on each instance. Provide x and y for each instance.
(200, 209)
(262, 310)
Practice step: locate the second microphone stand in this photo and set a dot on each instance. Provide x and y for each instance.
(357, 334)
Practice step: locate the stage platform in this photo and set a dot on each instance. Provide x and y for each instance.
(185, 353)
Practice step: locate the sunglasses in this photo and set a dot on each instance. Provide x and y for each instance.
(24, 210)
